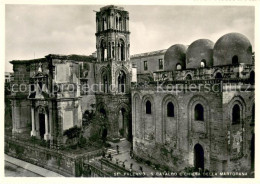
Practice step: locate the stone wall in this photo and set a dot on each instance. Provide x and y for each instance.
(66, 164)
(171, 140)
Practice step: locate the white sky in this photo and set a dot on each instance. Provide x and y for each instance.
(66, 29)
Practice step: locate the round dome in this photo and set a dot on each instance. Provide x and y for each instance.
(200, 51)
(232, 49)
(175, 57)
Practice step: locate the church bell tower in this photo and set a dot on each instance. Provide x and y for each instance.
(114, 70)
(112, 42)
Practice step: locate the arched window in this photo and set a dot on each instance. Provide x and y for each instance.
(203, 63)
(178, 67)
(199, 112)
(170, 109)
(122, 51)
(235, 60)
(218, 75)
(148, 107)
(121, 82)
(103, 112)
(236, 114)
(188, 77)
(105, 83)
(102, 48)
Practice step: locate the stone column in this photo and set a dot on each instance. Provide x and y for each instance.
(46, 135)
(33, 132)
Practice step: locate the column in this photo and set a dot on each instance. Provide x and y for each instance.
(33, 132)
(46, 135)
(111, 55)
(50, 123)
(119, 53)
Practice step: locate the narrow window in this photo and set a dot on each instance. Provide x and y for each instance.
(145, 65)
(178, 67)
(236, 114)
(148, 106)
(170, 109)
(160, 64)
(218, 75)
(199, 113)
(235, 60)
(203, 63)
(188, 77)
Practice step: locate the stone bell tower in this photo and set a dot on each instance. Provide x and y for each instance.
(114, 69)
(112, 42)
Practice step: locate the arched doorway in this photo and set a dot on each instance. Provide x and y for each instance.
(252, 152)
(104, 130)
(42, 125)
(125, 126)
(198, 157)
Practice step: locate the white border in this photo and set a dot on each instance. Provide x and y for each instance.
(28, 180)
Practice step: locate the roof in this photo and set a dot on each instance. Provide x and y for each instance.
(72, 57)
(146, 54)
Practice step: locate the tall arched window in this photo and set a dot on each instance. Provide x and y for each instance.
(236, 114)
(148, 107)
(121, 82)
(102, 48)
(105, 83)
(170, 109)
(122, 51)
(199, 113)
(235, 60)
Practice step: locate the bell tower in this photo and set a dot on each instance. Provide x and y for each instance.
(112, 32)
(112, 43)
(114, 70)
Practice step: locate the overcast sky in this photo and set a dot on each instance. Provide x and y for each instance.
(41, 29)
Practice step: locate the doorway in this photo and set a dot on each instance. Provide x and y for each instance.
(42, 125)
(198, 157)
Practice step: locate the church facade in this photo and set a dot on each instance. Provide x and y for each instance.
(186, 106)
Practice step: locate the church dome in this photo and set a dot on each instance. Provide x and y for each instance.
(232, 48)
(200, 51)
(174, 57)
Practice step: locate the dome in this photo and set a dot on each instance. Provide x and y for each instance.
(200, 50)
(232, 48)
(175, 56)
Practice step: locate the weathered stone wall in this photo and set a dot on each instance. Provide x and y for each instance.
(112, 105)
(57, 161)
(175, 137)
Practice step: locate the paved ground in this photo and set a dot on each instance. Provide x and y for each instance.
(12, 170)
(124, 156)
(15, 167)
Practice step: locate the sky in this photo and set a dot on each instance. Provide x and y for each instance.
(34, 31)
